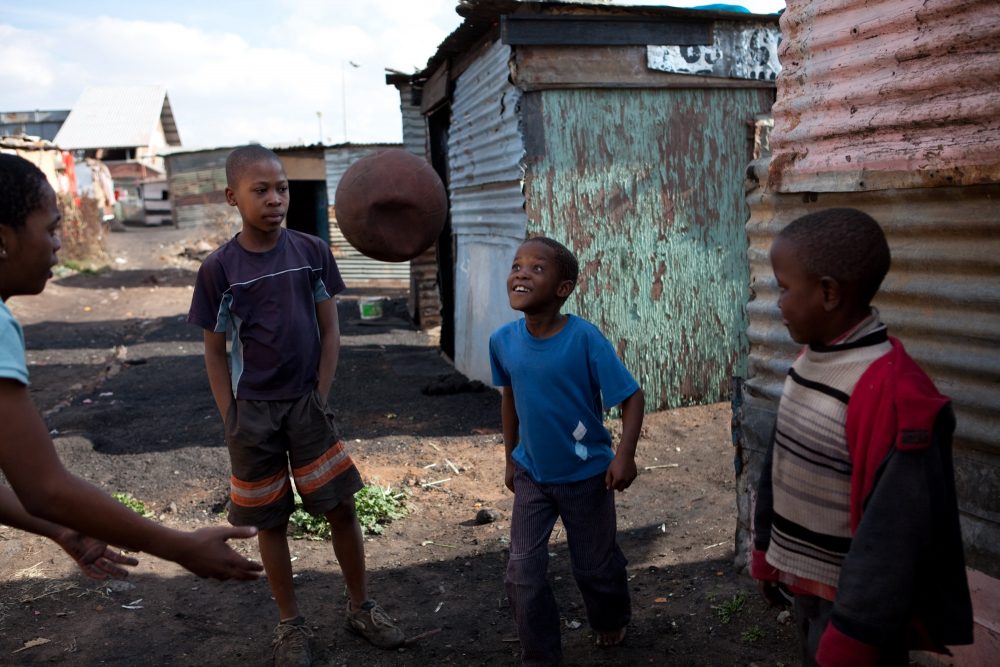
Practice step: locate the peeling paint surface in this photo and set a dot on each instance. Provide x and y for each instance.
(646, 187)
(737, 51)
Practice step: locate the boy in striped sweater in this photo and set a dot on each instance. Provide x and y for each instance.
(858, 481)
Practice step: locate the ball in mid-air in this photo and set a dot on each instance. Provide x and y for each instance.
(391, 205)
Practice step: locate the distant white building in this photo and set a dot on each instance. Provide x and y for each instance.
(121, 124)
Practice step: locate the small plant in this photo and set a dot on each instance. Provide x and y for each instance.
(375, 506)
(378, 506)
(133, 503)
(752, 635)
(731, 607)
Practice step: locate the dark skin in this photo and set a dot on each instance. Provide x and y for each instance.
(815, 309)
(536, 287)
(47, 498)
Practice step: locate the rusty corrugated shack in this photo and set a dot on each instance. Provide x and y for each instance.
(623, 132)
(893, 107)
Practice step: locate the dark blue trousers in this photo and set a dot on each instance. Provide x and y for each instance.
(587, 510)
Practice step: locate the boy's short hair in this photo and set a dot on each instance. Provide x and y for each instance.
(569, 268)
(244, 156)
(22, 186)
(843, 243)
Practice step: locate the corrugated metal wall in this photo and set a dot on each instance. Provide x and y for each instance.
(424, 299)
(357, 269)
(197, 187)
(485, 150)
(414, 124)
(909, 90)
(646, 187)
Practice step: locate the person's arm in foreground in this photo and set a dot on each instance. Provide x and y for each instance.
(329, 336)
(622, 471)
(50, 492)
(511, 426)
(94, 557)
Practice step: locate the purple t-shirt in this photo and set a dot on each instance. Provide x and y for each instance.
(266, 302)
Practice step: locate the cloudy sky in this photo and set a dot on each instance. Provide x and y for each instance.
(235, 71)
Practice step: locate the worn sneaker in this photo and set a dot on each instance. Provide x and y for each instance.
(372, 623)
(291, 644)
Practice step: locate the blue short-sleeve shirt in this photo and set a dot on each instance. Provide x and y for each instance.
(12, 360)
(561, 386)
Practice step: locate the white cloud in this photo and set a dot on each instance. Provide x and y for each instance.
(225, 88)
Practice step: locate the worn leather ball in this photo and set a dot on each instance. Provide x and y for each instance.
(391, 205)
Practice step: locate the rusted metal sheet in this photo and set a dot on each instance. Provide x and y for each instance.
(485, 149)
(941, 298)
(887, 93)
(645, 187)
(197, 183)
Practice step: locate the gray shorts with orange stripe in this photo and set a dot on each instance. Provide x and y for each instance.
(265, 438)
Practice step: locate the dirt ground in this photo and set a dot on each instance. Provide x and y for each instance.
(119, 376)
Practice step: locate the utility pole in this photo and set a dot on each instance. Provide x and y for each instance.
(343, 91)
(319, 119)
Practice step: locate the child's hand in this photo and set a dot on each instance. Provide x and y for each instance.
(205, 553)
(621, 473)
(94, 557)
(508, 476)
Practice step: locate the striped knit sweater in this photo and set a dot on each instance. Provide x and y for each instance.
(811, 471)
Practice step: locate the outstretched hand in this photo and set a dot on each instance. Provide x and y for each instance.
(206, 554)
(621, 473)
(94, 557)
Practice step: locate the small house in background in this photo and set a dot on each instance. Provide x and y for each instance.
(623, 132)
(196, 180)
(855, 125)
(119, 124)
(38, 124)
(128, 128)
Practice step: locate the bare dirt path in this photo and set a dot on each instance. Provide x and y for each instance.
(119, 376)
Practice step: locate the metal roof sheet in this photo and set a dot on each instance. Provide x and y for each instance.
(118, 117)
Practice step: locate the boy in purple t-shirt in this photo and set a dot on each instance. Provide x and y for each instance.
(271, 289)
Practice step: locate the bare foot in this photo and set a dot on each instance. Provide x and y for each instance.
(612, 638)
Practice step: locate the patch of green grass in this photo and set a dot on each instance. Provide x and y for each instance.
(376, 506)
(133, 503)
(731, 607)
(752, 635)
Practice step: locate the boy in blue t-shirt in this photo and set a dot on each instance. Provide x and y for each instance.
(272, 289)
(558, 373)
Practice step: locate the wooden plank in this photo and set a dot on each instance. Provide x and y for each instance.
(436, 91)
(521, 29)
(547, 67)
